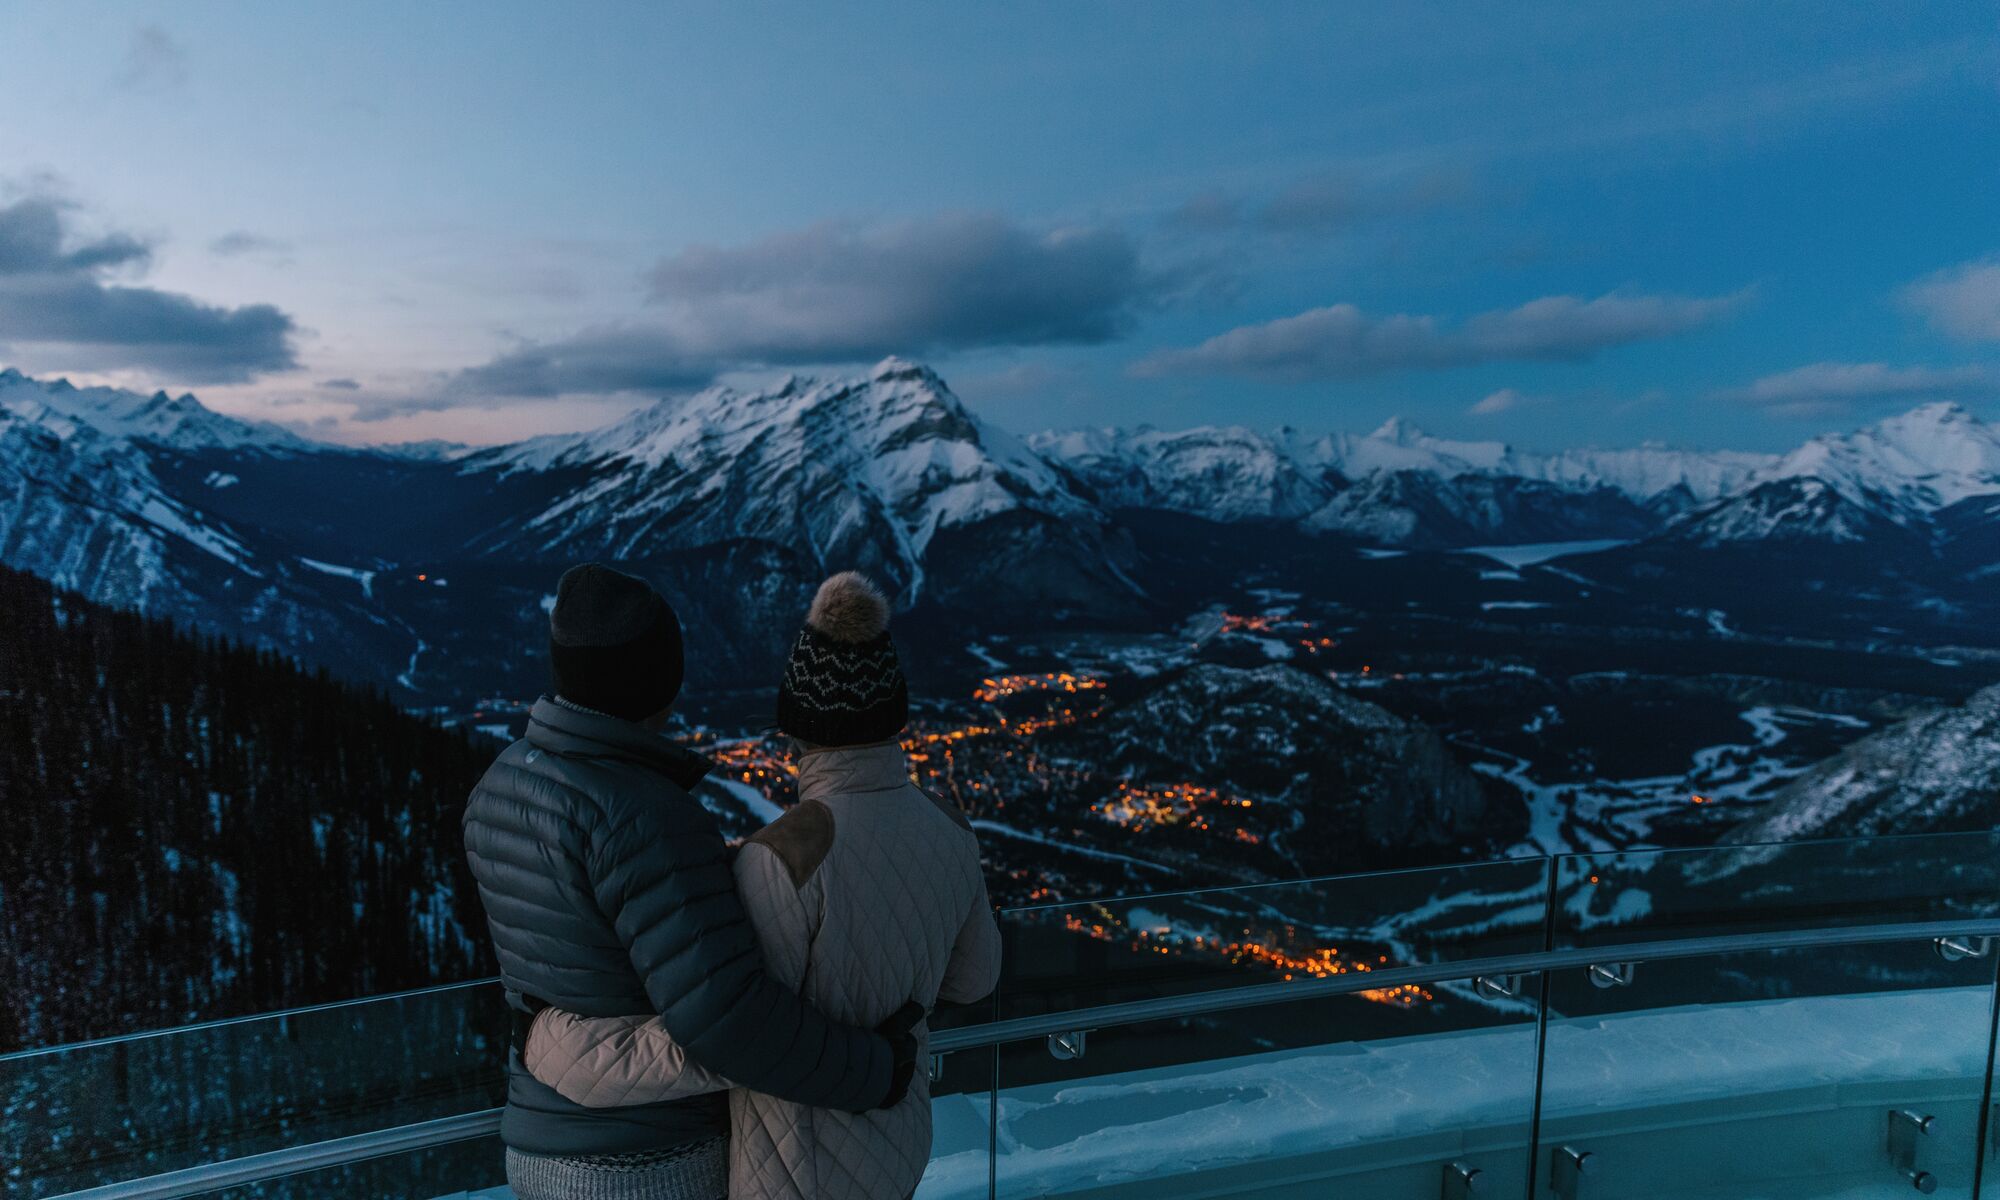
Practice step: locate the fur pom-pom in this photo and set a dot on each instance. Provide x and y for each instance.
(849, 608)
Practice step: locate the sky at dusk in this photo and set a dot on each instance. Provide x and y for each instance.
(1708, 224)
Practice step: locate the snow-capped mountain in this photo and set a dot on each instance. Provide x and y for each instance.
(170, 422)
(1398, 485)
(1402, 486)
(87, 512)
(1802, 508)
(1906, 467)
(1424, 509)
(1222, 473)
(100, 492)
(1849, 487)
(739, 499)
(883, 472)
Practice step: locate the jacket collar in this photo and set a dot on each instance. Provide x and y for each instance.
(832, 770)
(572, 731)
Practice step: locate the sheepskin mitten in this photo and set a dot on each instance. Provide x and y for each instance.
(843, 685)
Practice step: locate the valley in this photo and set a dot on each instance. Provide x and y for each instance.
(1141, 662)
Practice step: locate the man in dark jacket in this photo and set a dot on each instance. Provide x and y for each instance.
(609, 892)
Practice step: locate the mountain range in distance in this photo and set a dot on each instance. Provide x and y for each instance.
(427, 567)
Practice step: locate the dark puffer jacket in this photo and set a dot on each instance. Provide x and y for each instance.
(609, 892)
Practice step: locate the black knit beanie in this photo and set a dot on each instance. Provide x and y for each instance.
(614, 643)
(843, 685)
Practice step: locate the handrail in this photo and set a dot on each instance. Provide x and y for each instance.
(248, 1018)
(276, 1164)
(1256, 995)
(296, 1160)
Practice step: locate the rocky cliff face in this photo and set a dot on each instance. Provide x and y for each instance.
(1359, 776)
(1934, 773)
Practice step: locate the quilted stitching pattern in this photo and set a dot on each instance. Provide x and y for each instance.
(897, 911)
(892, 896)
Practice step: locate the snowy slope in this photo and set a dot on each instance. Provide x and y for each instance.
(1224, 474)
(112, 494)
(1906, 467)
(1403, 486)
(172, 422)
(1897, 474)
(1933, 773)
(87, 512)
(1398, 484)
(868, 471)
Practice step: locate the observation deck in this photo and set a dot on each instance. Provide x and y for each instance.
(1812, 1021)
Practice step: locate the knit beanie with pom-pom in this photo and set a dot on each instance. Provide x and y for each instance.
(843, 685)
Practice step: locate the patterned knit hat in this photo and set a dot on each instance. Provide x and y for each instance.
(843, 685)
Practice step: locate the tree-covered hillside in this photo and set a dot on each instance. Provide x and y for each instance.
(195, 829)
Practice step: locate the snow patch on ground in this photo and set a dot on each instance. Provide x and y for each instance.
(985, 656)
(1045, 840)
(761, 806)
(1528, 554)
(365, 578)
(1270, 1114)
(1600, 814)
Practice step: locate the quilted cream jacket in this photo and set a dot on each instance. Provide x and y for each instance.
(866, 895)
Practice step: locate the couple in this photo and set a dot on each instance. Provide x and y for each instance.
(687, 1026)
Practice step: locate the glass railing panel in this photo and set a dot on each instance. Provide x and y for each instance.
(1369, 1093)
(1335, 1096)
(1649, 895)
(101, 1112)
(469, 1170)
(1767, 1074)
(961, 1090)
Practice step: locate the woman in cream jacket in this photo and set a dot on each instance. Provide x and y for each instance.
(866, 897)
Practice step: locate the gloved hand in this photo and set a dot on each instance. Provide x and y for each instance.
(897, 1029)
(523, 1017)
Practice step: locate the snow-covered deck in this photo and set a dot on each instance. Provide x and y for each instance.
(1776, 1100)
(1786, 1099)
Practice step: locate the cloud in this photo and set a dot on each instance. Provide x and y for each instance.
(1503, 401)
(155, 61)
(1826, 386)
(239, 242)
(34, 241)
(842, 291)
(54, 297)
(1320, 205)
(1343, 342)
(1208, 212)
(341, 385)
(1963, 301)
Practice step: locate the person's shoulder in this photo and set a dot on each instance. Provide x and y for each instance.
(583, 791)
(948, 807)
(801, 839)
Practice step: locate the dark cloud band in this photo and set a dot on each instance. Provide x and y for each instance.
(1342, 341)
(841, 292)
(54, 296)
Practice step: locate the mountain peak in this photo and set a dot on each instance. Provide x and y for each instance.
(1908, 465)
(1398, 430)
(898, 368)
(859, 470)
(175, 422)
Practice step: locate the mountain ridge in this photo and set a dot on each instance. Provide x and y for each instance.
(247, 529)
